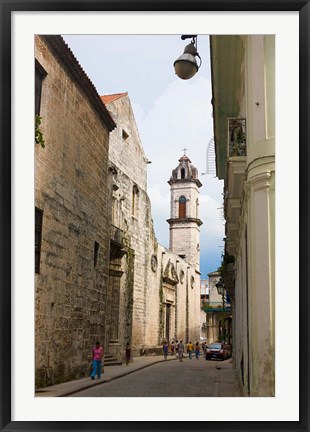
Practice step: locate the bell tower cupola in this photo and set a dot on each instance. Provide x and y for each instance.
(184, 211)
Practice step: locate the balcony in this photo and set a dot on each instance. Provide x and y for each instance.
(236, 137)
(236, 176)
(117, 235)
(117, 249)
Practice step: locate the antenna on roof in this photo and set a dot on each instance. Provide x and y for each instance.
(210, 158)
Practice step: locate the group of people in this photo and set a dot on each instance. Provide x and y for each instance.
(191, 348)
(177, 348)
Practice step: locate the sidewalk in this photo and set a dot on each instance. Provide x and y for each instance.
(110, 373)
(225, 380)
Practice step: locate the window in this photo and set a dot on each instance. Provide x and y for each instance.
(96, 253)
(135, 201)
(40, 74)
(182, 207)
(182, 173)
(124, 134)
(38, 238)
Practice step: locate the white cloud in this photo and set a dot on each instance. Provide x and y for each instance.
(181, 118)
(171, 114)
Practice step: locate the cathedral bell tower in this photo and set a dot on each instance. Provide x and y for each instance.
(184, 212)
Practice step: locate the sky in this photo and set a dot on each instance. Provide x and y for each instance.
(171, 115)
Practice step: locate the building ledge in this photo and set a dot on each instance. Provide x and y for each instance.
(184, 221)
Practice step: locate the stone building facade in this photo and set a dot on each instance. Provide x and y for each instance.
(165, 287)
(184, 221)
(132, 224)
(72, 222)
(100, 272)
(244, 135)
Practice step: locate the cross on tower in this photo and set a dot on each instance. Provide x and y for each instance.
(185, 149)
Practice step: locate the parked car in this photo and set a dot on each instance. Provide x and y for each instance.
(218, 350)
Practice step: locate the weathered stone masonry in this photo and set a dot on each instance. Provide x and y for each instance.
(102, 273)
(72, 191)
(166, 287)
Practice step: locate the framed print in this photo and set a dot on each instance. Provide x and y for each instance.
(272, 40)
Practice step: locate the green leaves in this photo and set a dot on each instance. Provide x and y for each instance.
(39, 138)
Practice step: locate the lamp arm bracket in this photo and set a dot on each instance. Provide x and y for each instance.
(199, 59)
(183, 37)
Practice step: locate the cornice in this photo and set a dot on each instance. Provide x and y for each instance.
(184, 221)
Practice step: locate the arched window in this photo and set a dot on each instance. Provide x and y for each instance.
(182, 207)
(182, 173)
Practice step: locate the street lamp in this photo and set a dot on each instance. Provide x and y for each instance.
(186, 65)
(221, 290)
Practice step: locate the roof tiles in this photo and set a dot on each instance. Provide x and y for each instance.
(106, 99)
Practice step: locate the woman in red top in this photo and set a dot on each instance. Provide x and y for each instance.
(197, 350)
(97, 359)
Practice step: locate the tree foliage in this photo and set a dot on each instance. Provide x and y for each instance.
(39, 138)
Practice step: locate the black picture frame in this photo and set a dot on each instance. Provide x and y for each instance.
(6, 8)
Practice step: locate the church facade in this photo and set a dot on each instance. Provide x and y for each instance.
(165, 283)
(100, 272)
(184, 222)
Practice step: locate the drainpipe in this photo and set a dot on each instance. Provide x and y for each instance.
(176, 302)
(187, 308)
(161, 305)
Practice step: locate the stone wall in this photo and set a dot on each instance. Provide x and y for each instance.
(184, 230)
(103, 276)
(130, 212)
(72, 191)
(166, 288)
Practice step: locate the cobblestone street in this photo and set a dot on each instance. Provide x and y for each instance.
(190, 378)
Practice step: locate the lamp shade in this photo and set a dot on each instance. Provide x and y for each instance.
(186, 65)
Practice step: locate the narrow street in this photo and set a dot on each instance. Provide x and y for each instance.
(190, 378)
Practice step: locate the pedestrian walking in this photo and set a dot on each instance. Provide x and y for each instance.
(190, 349)
(97, 355)
(177, 349)
(172, 347)
(180, 350)
(165, 350)
(128, 353)
(203, 346)
(197, 350)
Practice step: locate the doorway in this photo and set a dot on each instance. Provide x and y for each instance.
(168, 320)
